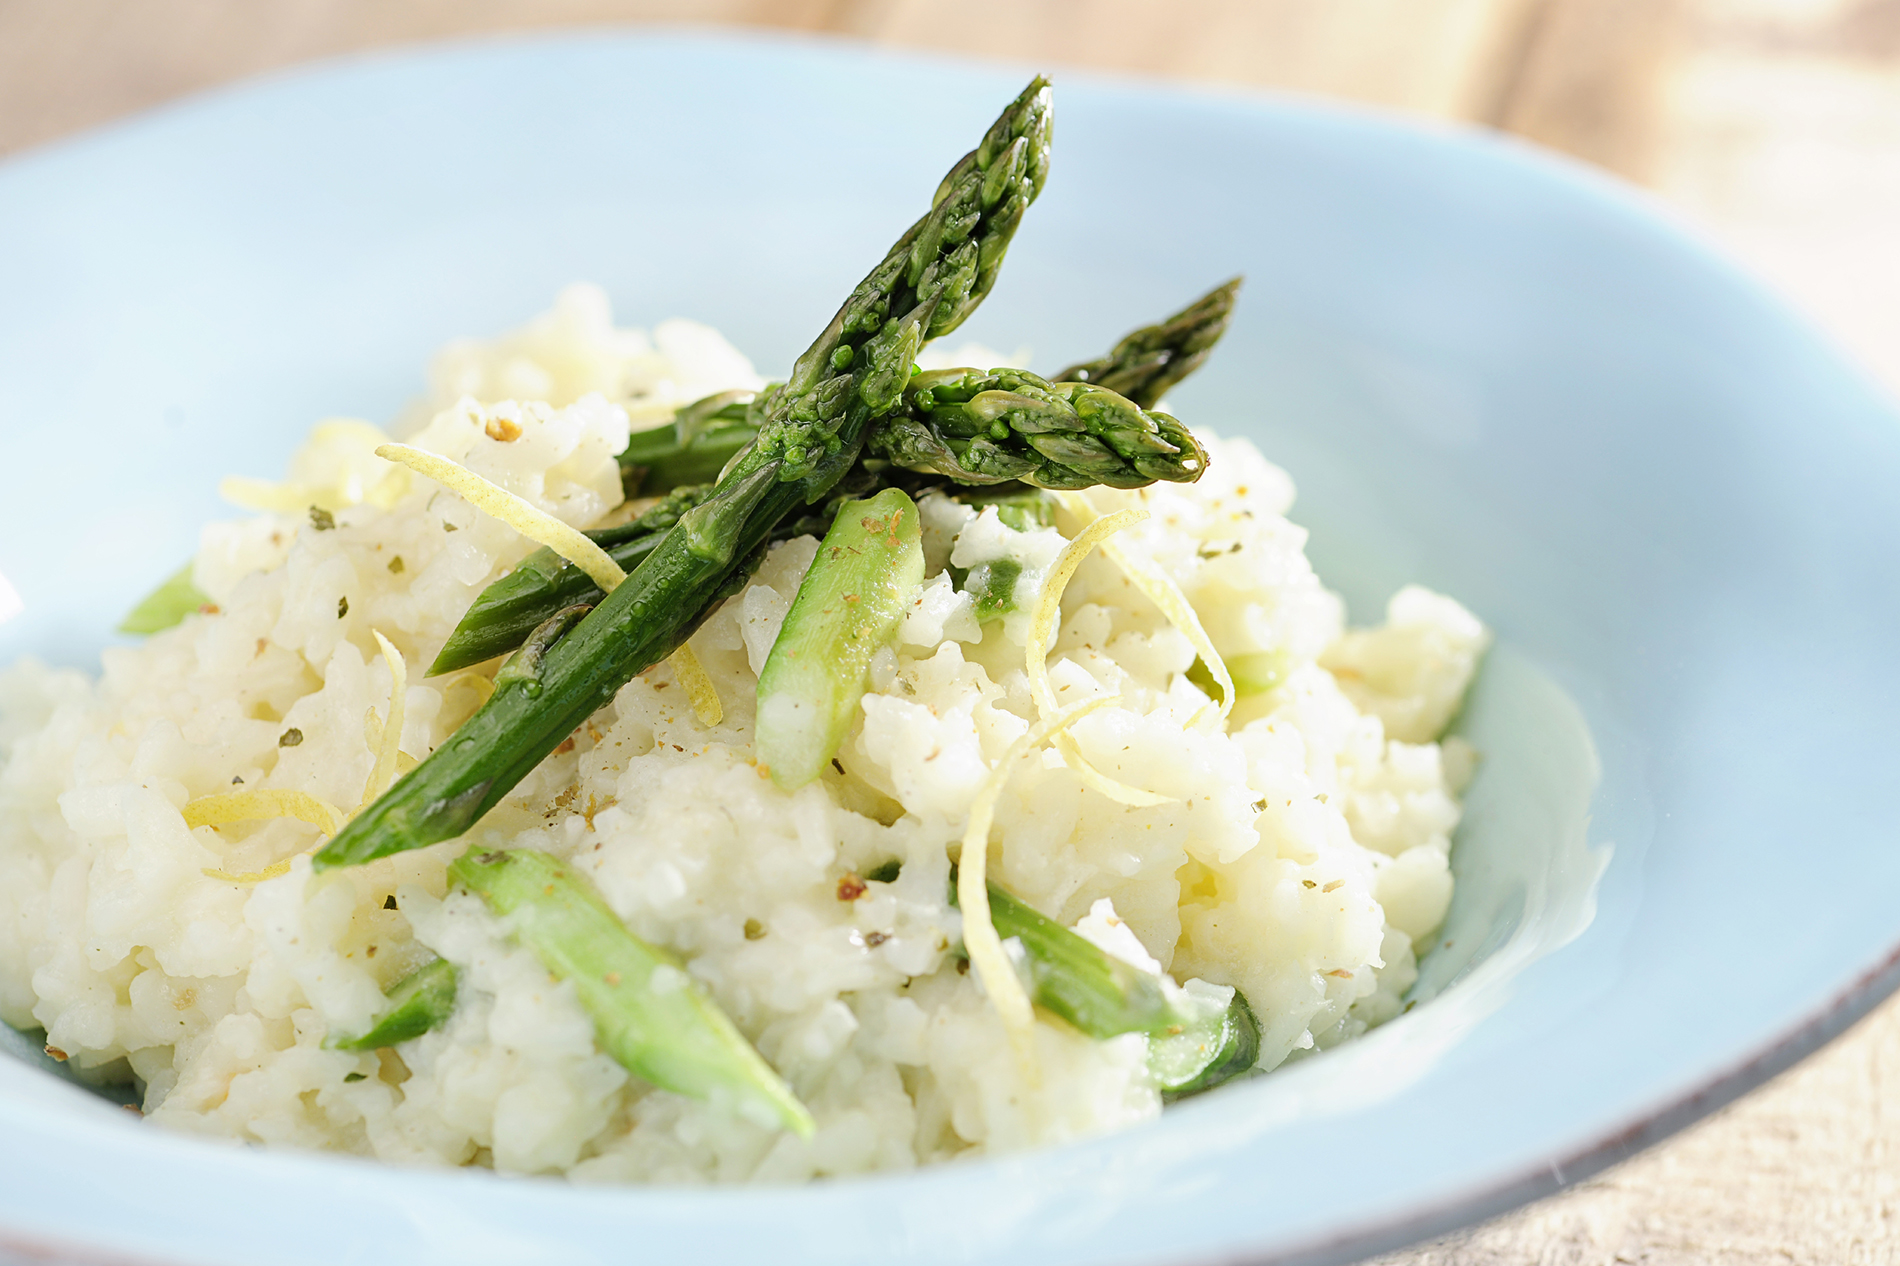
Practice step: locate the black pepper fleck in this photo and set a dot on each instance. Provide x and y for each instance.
(290, 737)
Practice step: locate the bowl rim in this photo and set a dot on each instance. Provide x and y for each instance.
(1839, 1011)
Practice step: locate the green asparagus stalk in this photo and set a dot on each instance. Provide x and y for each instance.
(1023, 509)
(708, 432)
(650, 1015)
(418, 1002)
(705, 435)
(1190, 1048)
(811, 430)
(990, 426)
(848, 606)
(1150, 360)
(544, 583)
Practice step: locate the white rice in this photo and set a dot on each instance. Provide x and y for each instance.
(1304, 859)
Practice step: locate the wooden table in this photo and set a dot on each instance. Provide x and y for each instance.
(1773, 124)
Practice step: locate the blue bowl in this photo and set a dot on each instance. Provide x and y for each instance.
(1490, 371)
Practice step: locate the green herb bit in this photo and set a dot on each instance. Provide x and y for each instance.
(649, 1014)
(166, 605)
(993, 586)
(418, 1002)
(849, 605)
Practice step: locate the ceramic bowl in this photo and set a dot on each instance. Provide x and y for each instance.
(1488, 370)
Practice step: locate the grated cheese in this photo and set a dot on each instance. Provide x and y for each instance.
(1160, 589)
(497, 502)
(698, 686)
(1042, 625)
(980, 941)
(389, 748)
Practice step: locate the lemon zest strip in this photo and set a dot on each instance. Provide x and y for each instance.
(980, 941)
(1036, 655)
(535, 524)
(691, 675)
(245, 806)
(1160, 589)
(389, 749)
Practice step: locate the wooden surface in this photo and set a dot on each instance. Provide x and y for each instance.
(1773, 124)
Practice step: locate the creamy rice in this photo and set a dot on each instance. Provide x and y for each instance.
(1304, 858)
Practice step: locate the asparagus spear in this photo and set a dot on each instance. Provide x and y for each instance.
(849, 604)
(705, 435)
(1150, 360)
(650, 1015)
(811, 430)
(989, 426)
(417, 1003)
(544, 583)
(1190, 1048)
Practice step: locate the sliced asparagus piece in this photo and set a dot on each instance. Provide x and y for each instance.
(849, 605)
(993, 586)
(1150, 360)
(1254, 672)
(1191, 1047)
(649, 1014)
(1215, 1046)
(810, 433)
(417, 1003)
(166, 605)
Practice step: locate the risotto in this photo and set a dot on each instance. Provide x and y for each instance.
(1295, 850)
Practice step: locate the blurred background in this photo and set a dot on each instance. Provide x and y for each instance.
(1773, 126)
(1772, 123)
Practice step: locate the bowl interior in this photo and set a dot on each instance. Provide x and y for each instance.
(1488, 372)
